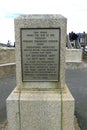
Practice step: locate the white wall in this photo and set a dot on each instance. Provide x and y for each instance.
(73, 55)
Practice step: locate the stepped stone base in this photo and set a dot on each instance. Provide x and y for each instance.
(5, 125)
(40, 110)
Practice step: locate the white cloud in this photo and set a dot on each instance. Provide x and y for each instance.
(6, 30)
(75, 11)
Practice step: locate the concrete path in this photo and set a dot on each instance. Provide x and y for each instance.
(7, 84)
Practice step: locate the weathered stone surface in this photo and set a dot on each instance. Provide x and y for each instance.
(40, 109)
(74, 59)
(7, 61)
(7, 69)
(40, 21)
(73, 55)
(68, 106)
(13, 112)
(40, 105)
(7, 55)
(74, 65)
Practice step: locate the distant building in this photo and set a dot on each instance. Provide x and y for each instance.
(83, 40)
(80, 41)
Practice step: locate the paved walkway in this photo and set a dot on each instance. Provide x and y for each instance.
(7, 84)
(77, 82)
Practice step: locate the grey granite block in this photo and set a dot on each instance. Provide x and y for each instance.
(41, 21)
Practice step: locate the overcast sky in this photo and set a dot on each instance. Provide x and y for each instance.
(75, 11)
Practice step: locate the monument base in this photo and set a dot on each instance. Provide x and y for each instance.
(40, 110)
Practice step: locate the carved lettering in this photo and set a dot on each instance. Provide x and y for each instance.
(40, 54)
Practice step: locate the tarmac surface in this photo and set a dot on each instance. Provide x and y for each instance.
(7, 84)
(76, 81)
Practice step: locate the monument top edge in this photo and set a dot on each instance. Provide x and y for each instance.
(41, 16)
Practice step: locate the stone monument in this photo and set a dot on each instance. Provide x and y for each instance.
(41, 99)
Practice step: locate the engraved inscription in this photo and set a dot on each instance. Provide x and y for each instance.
(40, 54)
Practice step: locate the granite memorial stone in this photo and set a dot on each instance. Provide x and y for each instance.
(41, 99)
(40, 43)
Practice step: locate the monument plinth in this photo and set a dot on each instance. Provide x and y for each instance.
(40, 46)
(41, 100)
